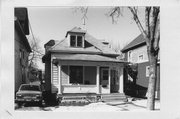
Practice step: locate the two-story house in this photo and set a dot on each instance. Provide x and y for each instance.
(22, 47)
(136, 54)
(82, 64)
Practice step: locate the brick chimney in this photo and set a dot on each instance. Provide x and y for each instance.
(49, 44)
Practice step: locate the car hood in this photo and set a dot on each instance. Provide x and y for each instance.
(29, 92)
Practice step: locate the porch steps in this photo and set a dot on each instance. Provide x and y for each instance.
(113, 97)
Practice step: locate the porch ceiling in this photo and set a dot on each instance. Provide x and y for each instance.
(87, 57)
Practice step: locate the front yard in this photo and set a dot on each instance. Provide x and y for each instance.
(137, 105)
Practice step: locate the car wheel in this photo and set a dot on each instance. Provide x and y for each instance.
(19, 104)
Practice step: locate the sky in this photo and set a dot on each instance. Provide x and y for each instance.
(53, 22)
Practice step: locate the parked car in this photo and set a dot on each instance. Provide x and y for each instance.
(29, 93)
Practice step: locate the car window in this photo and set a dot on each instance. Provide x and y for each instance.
(30, 88)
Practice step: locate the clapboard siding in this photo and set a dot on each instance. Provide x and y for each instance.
(64, 75)
(55, 80)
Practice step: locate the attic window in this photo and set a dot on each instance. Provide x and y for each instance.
(73, 41)
(79, 41)
(76, 41)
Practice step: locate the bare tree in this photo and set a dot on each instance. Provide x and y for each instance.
(151, 33)
(36, 53)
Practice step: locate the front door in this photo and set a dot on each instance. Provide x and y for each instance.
(114, 81)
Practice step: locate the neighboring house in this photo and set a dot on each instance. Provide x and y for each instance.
(81, 63)
(136, 54)
(22, 47)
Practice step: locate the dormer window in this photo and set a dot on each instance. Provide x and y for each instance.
(73, 41)
(76, 41)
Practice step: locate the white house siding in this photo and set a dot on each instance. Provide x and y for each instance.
(54, 80)
(133, 55)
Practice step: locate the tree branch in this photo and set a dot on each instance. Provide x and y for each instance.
(136, 19)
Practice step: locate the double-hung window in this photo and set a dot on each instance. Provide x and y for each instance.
(76, 41)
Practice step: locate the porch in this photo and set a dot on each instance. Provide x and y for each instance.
(86, 77)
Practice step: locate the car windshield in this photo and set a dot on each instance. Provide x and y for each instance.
(30, 88)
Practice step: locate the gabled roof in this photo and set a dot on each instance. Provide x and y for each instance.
(139, 40)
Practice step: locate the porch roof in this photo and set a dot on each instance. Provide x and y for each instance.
(87, 57)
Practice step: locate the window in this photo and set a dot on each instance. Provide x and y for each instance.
(105, 74)
(76, 74)
(141, 57)
(76, 41)
(30, 88)
(147, 71)
(73, 41)
(79, 41)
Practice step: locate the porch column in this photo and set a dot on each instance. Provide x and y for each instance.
(109, 79)
(59, 79)
(97, 80)
(121, 83)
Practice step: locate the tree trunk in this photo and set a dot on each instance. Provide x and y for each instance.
(152, 82)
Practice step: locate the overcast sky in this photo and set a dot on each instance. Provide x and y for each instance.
(53, 23)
